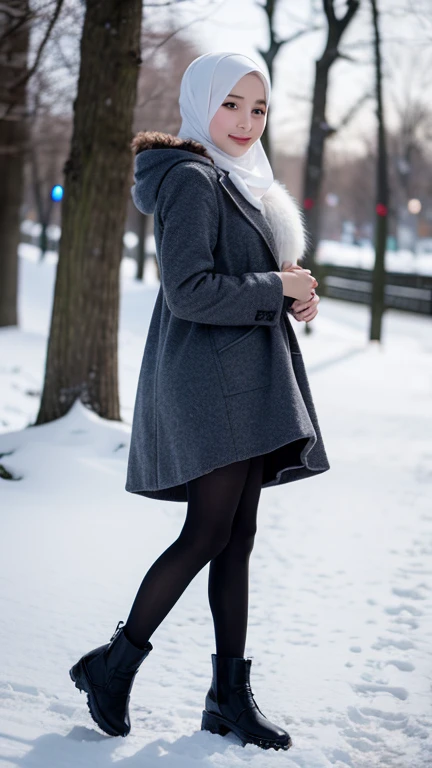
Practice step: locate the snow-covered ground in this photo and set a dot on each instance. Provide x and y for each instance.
(340, 630)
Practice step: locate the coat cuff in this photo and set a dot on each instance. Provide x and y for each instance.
(288, 302)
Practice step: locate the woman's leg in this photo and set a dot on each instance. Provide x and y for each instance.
(228, 588)
(212, 503)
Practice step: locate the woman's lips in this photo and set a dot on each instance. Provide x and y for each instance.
(240, 140)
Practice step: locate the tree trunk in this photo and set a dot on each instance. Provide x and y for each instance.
(143, 222)
(13, 138)
(43, 239)
(382, 206)
(43, 205)
(82, 347)
(315, 156)
(320, 130)
(265, 138)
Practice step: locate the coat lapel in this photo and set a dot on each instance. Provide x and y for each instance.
(253, 215)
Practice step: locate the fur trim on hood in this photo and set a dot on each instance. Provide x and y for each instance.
(158, 140)
(280, 208)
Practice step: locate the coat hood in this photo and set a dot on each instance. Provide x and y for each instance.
(151, 167)
(280, 207)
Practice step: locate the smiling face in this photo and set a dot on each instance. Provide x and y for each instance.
(242, 114)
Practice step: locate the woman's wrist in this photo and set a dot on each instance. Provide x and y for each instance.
(288, 284)
(286, 278)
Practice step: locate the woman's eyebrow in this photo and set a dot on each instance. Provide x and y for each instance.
(257, 101)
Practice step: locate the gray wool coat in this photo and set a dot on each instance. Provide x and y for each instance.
(222, 377)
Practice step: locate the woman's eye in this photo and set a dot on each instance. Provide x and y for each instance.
(232, 104)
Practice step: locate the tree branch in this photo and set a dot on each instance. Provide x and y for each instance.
(161, 5)
(180, 29)
(10, 11)
(32, 70)
(347, 57)
(353, 110)
(300, 33)
(352, 8)
(22, 18)
(329, 11)
(340, 24)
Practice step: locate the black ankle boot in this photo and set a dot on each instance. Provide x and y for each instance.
(107, 674)
(230, 706)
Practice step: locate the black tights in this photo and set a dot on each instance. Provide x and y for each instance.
(220, 527)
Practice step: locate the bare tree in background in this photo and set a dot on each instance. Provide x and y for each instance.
(275, 44)
(409, 149)
(82, 348)
(157, 109)
(351, 177)
(319, 127)
(14, 45)
(16, 20)
(50, 139)
(50, 111)
(167, 54)
(382, 192)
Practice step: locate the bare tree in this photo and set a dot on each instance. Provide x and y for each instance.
(351, 178)
(50, 138)
(319, 126)
(409, 96)
(14, 44)
(275, 44)
(82, 348)
(382, 192)
(17, 18)
(167, 57)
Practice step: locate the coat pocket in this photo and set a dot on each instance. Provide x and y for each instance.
(244, 357)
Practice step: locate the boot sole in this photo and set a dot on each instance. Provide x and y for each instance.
(221, 726)
(78, 676)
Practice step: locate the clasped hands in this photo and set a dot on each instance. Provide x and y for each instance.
(303, 310)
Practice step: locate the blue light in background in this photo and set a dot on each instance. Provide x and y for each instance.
(57, 193)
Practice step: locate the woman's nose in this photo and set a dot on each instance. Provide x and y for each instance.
(244, 122)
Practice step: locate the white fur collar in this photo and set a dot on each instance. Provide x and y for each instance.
(286, 221)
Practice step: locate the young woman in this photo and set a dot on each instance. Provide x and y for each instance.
(223, 406)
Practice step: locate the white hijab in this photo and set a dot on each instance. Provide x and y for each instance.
(205, 84)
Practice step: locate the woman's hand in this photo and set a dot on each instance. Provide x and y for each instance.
(297, 282)
(303, 311)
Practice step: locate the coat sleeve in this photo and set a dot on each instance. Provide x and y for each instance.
(288, 302)
(188, 210)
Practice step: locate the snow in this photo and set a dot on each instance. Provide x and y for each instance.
(341, 592)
